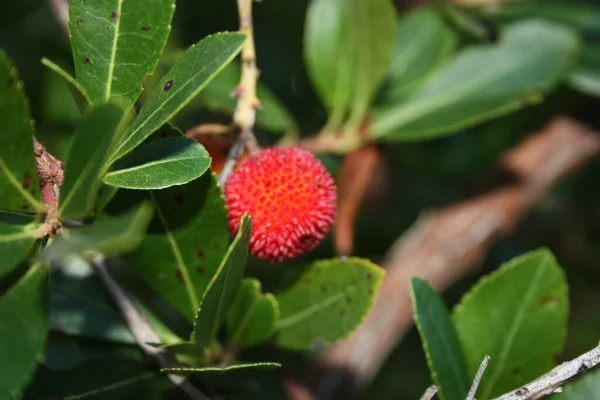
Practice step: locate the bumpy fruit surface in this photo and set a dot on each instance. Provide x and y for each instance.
(289, 195)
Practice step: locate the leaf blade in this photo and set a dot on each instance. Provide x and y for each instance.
(440, 342)
(180, 85)
(160, 164)
(18, 179)
(15, 243)
(224, 285)
(523, 348)
(93, 139)
(117, 43)
(24, 315)
(494, 80)
(329, 285)
(111, 237)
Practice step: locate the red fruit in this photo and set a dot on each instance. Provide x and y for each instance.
(289, 195)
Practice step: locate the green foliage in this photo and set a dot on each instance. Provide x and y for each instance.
(423, 43)
(223, 287)
(181, 84)
(94, 137)
(188, 238)
(273, 114)
(252, 316)
(78, 93)
(15, 244)
(116, 44)
(482, 83)
(110, 237)
(18, 179)
(584, 388)
(586, 76)
(440, 342)
(327, 302)
(101, 379)
(24, 316)
(160, 164)
(518, 316)
(347, 47)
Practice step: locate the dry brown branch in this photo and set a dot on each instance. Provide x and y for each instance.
(552, 381)
(245, 112)
(445, 244)
(51, 175)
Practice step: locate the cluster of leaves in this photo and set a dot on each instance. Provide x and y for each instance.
(136, 188)
(517, 315)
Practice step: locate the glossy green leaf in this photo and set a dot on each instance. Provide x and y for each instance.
(223, 287)
(347, 47)
(104, 378)
(18, 179)
(111, 236)
(423, 43)
(327, 302)
(586, 76)
(272, 115)
(252, 316)
(94, 136)
(81, 98)
(186, 243)
(483, 82)
(585, 17)
(160, 164)
(518, 316)
(15, 244)
(117, 43)
(440, 342)
(24, 316)
(584, 388)
(226, 370)
(198, 66)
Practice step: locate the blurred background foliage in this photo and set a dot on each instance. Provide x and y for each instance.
(420, 175)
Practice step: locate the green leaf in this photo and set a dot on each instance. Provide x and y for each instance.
(18, 179)
(217, 371)
(586, 76)
(160, 164)
(440, 342)
(111, 237)
(103, 378)
(80, 306)
(186, 242)
(584, 388)
(223, 287)
(585, 17)
(81, 98)
(518, 316)
(252, 316)
(94, 136)
(327, 302)
(272, 115)
(423, 43)
(482, 83)
(347, 47)
(15, 244)
(117, 43)
(24, 316)
(198, 66)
